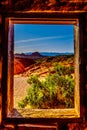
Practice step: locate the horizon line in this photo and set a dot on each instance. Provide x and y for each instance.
(41, 52)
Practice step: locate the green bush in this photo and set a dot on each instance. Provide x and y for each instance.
(63, 70)
(56, 89)
(23, 103)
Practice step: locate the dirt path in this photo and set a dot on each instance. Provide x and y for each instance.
(20, 87)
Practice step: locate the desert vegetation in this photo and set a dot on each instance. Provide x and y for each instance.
(51, 83)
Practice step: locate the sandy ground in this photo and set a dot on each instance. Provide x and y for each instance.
(20, 89)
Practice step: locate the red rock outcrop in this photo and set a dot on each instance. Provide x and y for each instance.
(18, 67)
(21, 63)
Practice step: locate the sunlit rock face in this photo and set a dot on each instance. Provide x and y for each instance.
(18, 67)
(21, 63)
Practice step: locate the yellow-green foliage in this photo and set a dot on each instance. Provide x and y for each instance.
(57, 89)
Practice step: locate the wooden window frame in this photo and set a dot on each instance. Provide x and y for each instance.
(7, 83)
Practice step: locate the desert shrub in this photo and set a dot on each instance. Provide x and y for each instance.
(41, 94)
(35, 92)
(58, 69)
(65, 84)
(50, 58)
(63, 70)
(51, 93)
(38, 61)
(23, 103)
(67, 89)
(44, 94)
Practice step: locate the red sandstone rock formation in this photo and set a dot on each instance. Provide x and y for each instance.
(21, 63)
(18, 67)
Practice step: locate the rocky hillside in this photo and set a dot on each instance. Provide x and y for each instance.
(41, 65)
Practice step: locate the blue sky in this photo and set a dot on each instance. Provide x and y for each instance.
(43, 38)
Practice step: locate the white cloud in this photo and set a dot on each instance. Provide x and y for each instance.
(42, 38)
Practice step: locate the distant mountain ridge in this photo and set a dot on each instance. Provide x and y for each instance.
(33, 55)
(41, 54)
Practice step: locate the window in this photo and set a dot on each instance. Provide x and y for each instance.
(54, 68)
(43, 60)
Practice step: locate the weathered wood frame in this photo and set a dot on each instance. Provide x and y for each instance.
(10, 49)
(7, 83)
